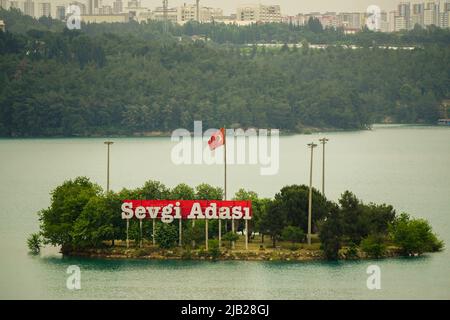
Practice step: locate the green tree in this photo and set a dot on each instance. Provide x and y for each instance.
(230, 237)
(99, 221)
(331, 234)
(182, 192)
(67, 204)
(166, 235)
(374, 246)
(154, 190)
(274, 220)
(34, 243)
(205, 191)
(214, 249)
(293, 234)
(414, 236)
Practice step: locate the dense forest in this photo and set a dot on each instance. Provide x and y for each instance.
(121, 79)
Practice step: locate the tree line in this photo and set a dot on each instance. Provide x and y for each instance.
(125, 79)
(81, 216)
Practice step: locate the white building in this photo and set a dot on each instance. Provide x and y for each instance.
(4, 4)
(259, 13)
(28, 7)
(431, 14)
(400, 23)
(205, 14)
(60, 12)
(417, 14)
(14, 4)
(118, 6)
(172, 14)
(44, 9)
(82, 6)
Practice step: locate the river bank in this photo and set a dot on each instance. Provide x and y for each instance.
(295, 253)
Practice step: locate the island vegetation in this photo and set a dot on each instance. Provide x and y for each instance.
(127, 79)
(83, 220)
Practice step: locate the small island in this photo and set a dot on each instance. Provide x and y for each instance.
(83, 220)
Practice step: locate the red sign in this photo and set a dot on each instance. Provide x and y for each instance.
(168, 210)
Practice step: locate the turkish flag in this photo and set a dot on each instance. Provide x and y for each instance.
(217, 139)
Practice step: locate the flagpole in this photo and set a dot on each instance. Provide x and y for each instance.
(225, 180)
(206, 234)
(128, 226)
(140, 233)
(153, 232)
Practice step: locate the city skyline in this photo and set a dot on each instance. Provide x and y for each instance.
(404, 16)
(288, 7)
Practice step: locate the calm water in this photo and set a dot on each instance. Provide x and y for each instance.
(404, 166)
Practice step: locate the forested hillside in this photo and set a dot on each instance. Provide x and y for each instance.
(111, 79)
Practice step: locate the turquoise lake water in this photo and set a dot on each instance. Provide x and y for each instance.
(406, 166)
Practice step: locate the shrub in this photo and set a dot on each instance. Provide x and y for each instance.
(214, 249)
(352, 251)
(293, 234)
(331, 232)
(230, 237)
(34, 243)
(166, 235)
(374, 246)
(414, 235)
(186, 255)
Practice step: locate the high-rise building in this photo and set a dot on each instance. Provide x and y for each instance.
(400, 23)
(384, 22)
(259, 13)
(172, 14)
(94, 6)
(28, 7)
(44, 9)
(4, 4)
(431, 14)
(404, 11)
(118, 6)
(105, 10)
(205, 14)
(417, 14)
(134, 4)
(60, 12)
(80, 5)
(392, 15)
(352, 20)
(14, 4)
(445, 15)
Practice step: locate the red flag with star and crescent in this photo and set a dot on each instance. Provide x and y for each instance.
(217, 139)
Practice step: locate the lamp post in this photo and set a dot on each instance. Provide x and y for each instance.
(323, 141)
(311, 145)
(108, 143)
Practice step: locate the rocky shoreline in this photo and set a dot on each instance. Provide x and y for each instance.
(150, 253)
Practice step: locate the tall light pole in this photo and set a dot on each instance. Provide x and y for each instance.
(323, 141)
(108, 143)
(311, 145)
